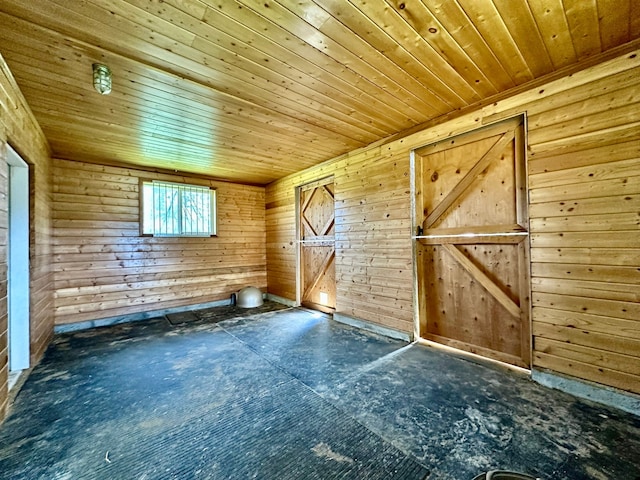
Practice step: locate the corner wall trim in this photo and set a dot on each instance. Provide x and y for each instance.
(372, 327)
(611, 397)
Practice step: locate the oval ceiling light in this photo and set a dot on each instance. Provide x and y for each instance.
(101, 78)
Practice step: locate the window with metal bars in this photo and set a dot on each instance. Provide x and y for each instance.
(177, 210)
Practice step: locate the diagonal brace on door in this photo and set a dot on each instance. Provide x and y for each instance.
(469, 178)
(323, 269)
(489, 285)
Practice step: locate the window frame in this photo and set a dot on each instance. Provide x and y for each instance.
(213, 198)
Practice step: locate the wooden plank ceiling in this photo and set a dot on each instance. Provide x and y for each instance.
(251, 91)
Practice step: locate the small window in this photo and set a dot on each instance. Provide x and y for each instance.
(178, 210)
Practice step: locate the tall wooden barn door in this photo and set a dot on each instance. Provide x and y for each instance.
(472, 243)
(317, 245)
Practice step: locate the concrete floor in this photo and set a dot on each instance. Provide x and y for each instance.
(293, 394)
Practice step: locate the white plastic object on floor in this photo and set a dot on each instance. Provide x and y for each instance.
(249, 297)
(504, 475)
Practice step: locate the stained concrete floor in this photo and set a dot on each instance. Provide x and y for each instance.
(294, 395)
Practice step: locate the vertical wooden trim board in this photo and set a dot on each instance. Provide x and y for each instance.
(583, 174)
(19, 129)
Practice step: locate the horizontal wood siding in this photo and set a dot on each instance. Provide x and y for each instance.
(19, 129)
(584, 181)
(372, 235)
(104, 268)
(585, 233)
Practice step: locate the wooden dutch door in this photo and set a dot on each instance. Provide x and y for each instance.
(317, 245)
(472, 243)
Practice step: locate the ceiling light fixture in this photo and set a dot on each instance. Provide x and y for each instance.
(101, 78)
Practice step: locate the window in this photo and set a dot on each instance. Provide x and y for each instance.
(178, 210)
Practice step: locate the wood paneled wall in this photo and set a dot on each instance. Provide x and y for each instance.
(584, 180)
(372, 235)
(19, 129)
(103, 268)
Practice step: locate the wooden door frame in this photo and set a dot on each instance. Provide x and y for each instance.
(298, 190)
(419, 311)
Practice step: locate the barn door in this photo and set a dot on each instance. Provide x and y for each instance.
(317, 245)
(472, 243)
